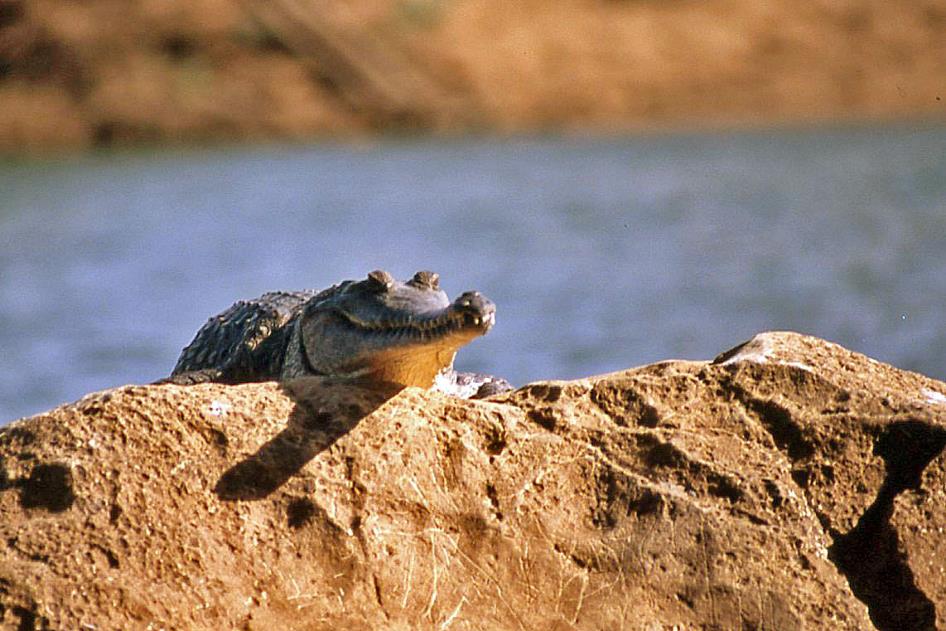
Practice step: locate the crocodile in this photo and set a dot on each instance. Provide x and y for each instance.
(378, 329)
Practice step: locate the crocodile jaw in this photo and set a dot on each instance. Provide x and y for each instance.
(408, 368)
(410, 350)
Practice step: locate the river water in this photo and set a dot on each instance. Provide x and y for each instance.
(601, 254)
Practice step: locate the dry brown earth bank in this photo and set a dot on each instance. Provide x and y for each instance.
(105, 72)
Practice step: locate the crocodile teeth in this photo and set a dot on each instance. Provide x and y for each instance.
(423, 328)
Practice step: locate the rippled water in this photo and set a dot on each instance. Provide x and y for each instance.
(601, 254)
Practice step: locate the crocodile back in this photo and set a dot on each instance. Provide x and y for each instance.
(247, 342)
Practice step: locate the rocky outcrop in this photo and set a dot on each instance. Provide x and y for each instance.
(788, 484)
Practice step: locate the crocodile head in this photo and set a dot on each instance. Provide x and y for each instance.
(398, 332)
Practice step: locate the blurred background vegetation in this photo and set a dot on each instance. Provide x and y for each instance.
(96, 73)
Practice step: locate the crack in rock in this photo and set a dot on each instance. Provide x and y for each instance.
(869, 555)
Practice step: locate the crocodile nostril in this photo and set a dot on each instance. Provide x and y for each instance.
(474, 303)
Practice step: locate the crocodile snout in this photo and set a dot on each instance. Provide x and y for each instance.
(477, 309)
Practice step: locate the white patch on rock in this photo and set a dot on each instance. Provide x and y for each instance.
(759, 350)
(446, 384)
(755, 350)
(219, 408)
(799, 365)
(934, 397)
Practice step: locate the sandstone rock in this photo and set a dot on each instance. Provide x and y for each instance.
(788, 484)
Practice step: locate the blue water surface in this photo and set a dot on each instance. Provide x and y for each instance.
(601, 254)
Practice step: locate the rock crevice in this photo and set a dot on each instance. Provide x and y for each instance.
(870, 554)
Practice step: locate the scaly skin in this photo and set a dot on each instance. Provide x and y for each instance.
(378, 329)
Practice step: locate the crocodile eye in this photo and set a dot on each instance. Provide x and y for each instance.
(379, 280)
(426, 279)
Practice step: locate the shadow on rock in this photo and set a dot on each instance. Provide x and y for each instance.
(870, 555)
(325, 411)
